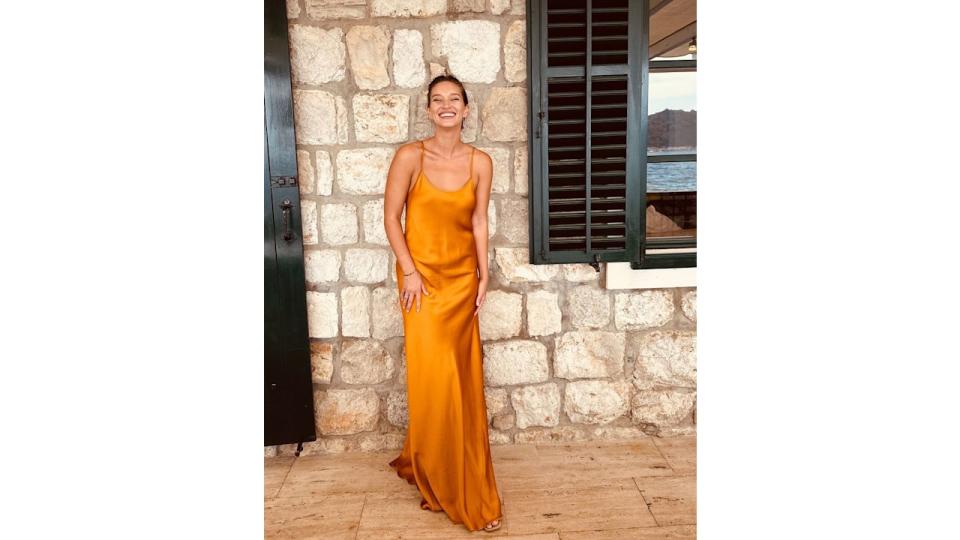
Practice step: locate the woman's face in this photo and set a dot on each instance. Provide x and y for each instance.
(446, 107)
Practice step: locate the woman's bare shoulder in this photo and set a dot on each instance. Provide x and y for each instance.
(483, 158)
(408, 153)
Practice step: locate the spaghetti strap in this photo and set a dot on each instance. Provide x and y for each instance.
(472, 150)
(416, 180)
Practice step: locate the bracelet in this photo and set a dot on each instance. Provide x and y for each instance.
(411, 272)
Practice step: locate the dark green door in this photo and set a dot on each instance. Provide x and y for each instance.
(288, 390)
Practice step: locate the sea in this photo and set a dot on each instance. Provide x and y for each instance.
(672, 176)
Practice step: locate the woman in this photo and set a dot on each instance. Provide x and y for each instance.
(442, 276)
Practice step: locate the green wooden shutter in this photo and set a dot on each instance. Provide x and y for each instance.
(587, 143)
(288, 386)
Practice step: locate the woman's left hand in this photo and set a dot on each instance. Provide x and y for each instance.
(481, 294)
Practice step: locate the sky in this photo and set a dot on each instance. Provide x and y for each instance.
(677, 90)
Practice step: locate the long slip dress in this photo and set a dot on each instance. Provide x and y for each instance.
(446, 452)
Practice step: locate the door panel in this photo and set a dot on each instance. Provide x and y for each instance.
(288, 388)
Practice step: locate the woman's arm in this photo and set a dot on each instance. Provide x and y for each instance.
(484, 171)
(394, 197)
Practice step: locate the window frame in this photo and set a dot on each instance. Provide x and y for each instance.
(672, 66)
(636, 251)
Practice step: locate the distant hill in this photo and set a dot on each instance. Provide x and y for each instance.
(672, 128)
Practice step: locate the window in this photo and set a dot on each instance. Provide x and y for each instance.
(609, 182)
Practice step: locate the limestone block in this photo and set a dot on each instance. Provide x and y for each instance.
(515, 52)
(322, 266)
(521, 171)
(491, 219)
(543, 313)
(504, 115)
(306, 175)
(514, 362)
(408, 67)
(355, 311)
(580, 355)
(536, 405)
(308, 221)
(497, 401)
(514, 220)
(515, 267)
(436, 70)
(293, 9)
(498, 437)
(497, 7)
(317, 56)
(579, 272)
(346, 411)
(315, 116)
(367, 47)
(689, 305)
(338, 223)
(381, 117)
(336, 9)
(501, 315)
(376, 442)
(322, 317)
(644, 309)
(363, 171)
(588, 306)
(402, 371)
(397, 412)
(596, 402)
(504, 421)
(661, 408)
(324, 173)
(373, 231)
(365, 361)
(387, 318)
(666, 358)
(366, 265)
(501, 168)
(407, 8)
(341, 106)
(467, 6)
(321, 362)
(472, 48)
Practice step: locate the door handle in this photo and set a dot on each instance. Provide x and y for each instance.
(286, 207)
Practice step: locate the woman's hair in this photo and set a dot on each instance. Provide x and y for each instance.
(448, 78)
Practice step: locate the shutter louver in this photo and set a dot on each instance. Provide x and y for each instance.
(586, 104)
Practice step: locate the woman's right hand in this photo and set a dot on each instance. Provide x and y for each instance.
(410, 293)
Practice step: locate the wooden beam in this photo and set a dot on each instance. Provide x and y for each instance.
(674, 40)
(659, 5)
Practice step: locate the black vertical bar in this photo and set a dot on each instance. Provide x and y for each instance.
(638, 67)
(537, 167)
(277, 91)
(588, 127)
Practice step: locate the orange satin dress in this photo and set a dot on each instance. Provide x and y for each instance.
(446, 452)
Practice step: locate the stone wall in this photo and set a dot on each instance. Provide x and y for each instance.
(564, 358)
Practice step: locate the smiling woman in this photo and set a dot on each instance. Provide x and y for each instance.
(442, 271)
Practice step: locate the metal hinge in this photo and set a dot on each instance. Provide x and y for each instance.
(283, 181)
(595, 263)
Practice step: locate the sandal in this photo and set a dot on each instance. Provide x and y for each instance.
(490, 527)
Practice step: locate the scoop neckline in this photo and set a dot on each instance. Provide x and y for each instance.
(434, 186)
